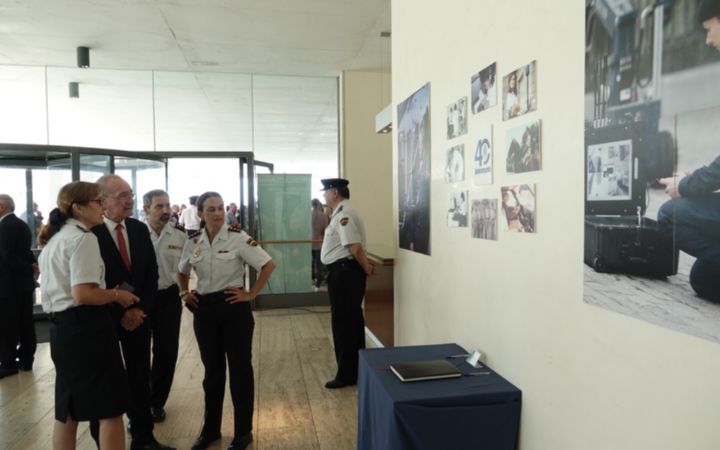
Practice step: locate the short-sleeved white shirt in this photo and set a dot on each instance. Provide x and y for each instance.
(168, 250)
(189, 218)
(71, 257)
(220, 265)
(345, 228)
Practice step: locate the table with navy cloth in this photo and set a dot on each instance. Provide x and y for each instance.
(471, 412)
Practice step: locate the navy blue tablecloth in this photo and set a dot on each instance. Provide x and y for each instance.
(472, 412)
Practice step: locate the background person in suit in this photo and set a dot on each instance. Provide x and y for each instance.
(129, 258)
(17, 283)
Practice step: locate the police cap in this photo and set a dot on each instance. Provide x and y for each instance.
(708, 9)
(330, 183)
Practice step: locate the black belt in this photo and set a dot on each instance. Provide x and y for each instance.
(74, 313)
(344, 263)
(214, 296)
(174, 287)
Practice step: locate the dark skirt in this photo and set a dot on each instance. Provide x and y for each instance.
(90, 382)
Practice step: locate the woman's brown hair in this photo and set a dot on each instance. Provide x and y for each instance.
(76, 192)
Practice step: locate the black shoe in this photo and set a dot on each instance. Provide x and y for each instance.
(240, 443)
(202, 442)
(7, 372)
(158, 414)
(155, 445)
(337, 384)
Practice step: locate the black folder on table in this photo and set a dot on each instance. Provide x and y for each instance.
(425, 370)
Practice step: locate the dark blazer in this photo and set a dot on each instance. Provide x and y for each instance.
(144, 276)
(16, 259)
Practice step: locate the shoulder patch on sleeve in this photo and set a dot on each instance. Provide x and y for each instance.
(235, 229)
(179, 227)
(252, 242)
(195, 234)
(344, 221)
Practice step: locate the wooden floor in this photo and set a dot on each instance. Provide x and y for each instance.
(292, 357)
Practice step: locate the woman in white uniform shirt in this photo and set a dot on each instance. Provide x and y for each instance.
(223, 321)
(90, 378)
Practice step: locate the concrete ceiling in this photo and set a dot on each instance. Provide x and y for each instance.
(223, 38)
(298, 37)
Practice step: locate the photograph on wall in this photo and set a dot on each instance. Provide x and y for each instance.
(413, 133)
(524, 148)
(484, 219)
(483, 89)
(457, 215)
(457, 118)
(517, 208)
(651, 168)
(483, 158)
(519, 91)
(455, 164)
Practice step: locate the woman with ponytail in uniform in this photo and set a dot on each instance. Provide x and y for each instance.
(90, 378)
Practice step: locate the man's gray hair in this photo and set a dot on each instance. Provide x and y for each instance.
(147, 198)
(103, 182)
(8, 202)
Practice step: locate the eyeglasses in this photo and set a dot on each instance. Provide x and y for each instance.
(124, 195)
(92, 200)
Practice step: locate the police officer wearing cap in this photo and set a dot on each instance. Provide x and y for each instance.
(343, 252)
(168, 240)
(692, 215)
(222, 317)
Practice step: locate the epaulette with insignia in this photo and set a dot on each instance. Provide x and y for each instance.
(339, 210)
(235, 229)
(179, 227)
(195, 234)
(252, 242)
(344, 221)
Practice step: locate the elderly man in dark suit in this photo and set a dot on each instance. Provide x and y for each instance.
(130, 263)
(17, 282)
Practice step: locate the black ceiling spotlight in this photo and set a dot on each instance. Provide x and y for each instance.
(83, 57)
(74, 89)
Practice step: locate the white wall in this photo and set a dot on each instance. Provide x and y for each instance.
(591, 379)
(367, 156)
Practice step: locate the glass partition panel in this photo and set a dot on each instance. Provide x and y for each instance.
(114, 108)
(193, 176)
(22, 109)
(33, 177)
(285, 215)
(203, 111)
(93, 167)
(143, 175)
(296, 124)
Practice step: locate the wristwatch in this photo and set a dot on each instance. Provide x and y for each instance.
(182, 293)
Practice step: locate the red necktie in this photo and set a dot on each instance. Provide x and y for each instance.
(122, 247)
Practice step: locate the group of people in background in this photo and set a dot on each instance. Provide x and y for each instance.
(114, 287)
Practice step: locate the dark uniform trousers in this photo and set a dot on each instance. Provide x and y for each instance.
(136, 354)
(225, 330)
(346, 289)
(165, 323)
(17, 328)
